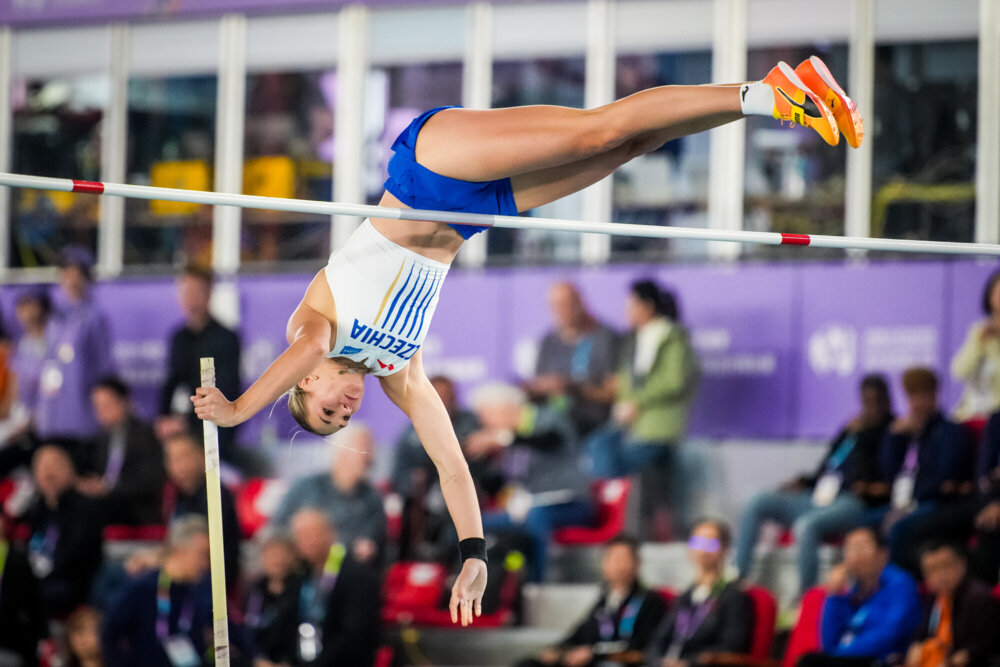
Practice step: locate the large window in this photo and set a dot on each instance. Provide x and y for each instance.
(668, 186)
(541, 81)
(794, 181)
(288, 152)
(57, 133)
(171, 143)
(924, 129)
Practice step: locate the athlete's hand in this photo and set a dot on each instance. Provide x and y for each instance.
(468, 592)
(211, 405)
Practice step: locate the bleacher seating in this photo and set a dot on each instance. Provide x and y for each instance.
(610, 500)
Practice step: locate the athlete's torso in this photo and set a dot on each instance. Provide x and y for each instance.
(385, 296)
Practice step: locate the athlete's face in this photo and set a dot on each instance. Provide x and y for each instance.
(333, 395)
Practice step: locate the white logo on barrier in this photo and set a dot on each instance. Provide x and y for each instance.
(714, 347)
(833, 350)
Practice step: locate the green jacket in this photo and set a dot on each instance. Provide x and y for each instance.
(663, 396)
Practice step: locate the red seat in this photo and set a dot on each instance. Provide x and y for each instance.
(154, 533)
(804, 637)
(976, 427)
(765, 615)
(256, 501)
(610, 499)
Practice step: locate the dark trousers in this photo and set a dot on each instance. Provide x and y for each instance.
(986, 557)
(823, 660)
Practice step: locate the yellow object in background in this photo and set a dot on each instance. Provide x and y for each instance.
(62, 202)
(272, 176)
(183, 174)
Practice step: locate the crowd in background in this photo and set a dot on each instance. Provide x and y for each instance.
(914, 496)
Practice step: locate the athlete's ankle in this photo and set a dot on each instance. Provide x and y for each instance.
(757, 99)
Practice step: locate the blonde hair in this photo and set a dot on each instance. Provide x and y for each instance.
(297, 395)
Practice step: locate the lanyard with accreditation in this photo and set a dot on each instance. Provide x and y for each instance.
(312, 604)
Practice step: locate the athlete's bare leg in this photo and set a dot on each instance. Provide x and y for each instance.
(482, 145)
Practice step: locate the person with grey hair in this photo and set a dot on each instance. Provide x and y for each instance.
(531, 464)
(345, 495)
(164, 616)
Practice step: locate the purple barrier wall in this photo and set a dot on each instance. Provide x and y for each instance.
(782, 346)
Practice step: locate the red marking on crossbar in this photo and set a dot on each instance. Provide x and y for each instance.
(90, 187)
(794, 239)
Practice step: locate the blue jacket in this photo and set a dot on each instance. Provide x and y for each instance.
(876, 627)
(945, 454)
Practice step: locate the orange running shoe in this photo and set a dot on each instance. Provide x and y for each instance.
(815, 74)
(795, 102)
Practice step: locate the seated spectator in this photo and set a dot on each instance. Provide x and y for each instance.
(656, 384)
(199, 336)
(960, 615)
(186, 494)
(872, 609)
(425, 519)
(83, 639)
(930, 462)
(713, 615)
(164, 617)
(65, 547)
(533, 467)
(336, 620)
(576, 362)
(345, 495)
(274, 596)
(126, 468)
(987, 521)
(624, 618)
(829, 501)
(21, 622)
(977, 362)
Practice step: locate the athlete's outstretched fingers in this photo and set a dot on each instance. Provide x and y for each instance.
(453, 606)
(479, 606)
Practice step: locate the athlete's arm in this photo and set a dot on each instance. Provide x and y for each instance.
(308, 335)
(415, 395)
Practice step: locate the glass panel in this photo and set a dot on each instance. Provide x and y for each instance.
(794, 181)
(57, 125)
(670, 185)
(924, 129)
(541, 81)
(395, 96)
(288, 153)
(171, 143)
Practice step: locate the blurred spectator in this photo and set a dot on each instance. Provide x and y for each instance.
(624, 618)
(960, 615)
(21, 622)
(535, 469)
(987, 521)
(930, 462)
(33, 311)
(65, 547)
(977, 362)
(336, 620)
(200, 336)
(345, 495)
(872, 609)
(425, 518)
(274, 596)
(576, 363)
(656, 384)
(78, 353)
(657, 380)
(713, 615)
(83, 638)
(127, 464)
(8, 384)
(186, 494)
(830, 500)
(164, 617)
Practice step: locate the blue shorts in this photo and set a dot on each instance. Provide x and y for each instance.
(419, 187)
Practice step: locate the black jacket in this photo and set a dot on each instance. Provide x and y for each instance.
(727, 626)
(634, 621)
(350, 629)
(21, 621)
(266, 616)
(861, 465)
(78, 527)
(177, 504)
(136, 499)
(975, 622)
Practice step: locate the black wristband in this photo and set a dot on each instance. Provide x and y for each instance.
(473, 547)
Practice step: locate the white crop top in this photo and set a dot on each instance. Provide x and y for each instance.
(385, 297)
